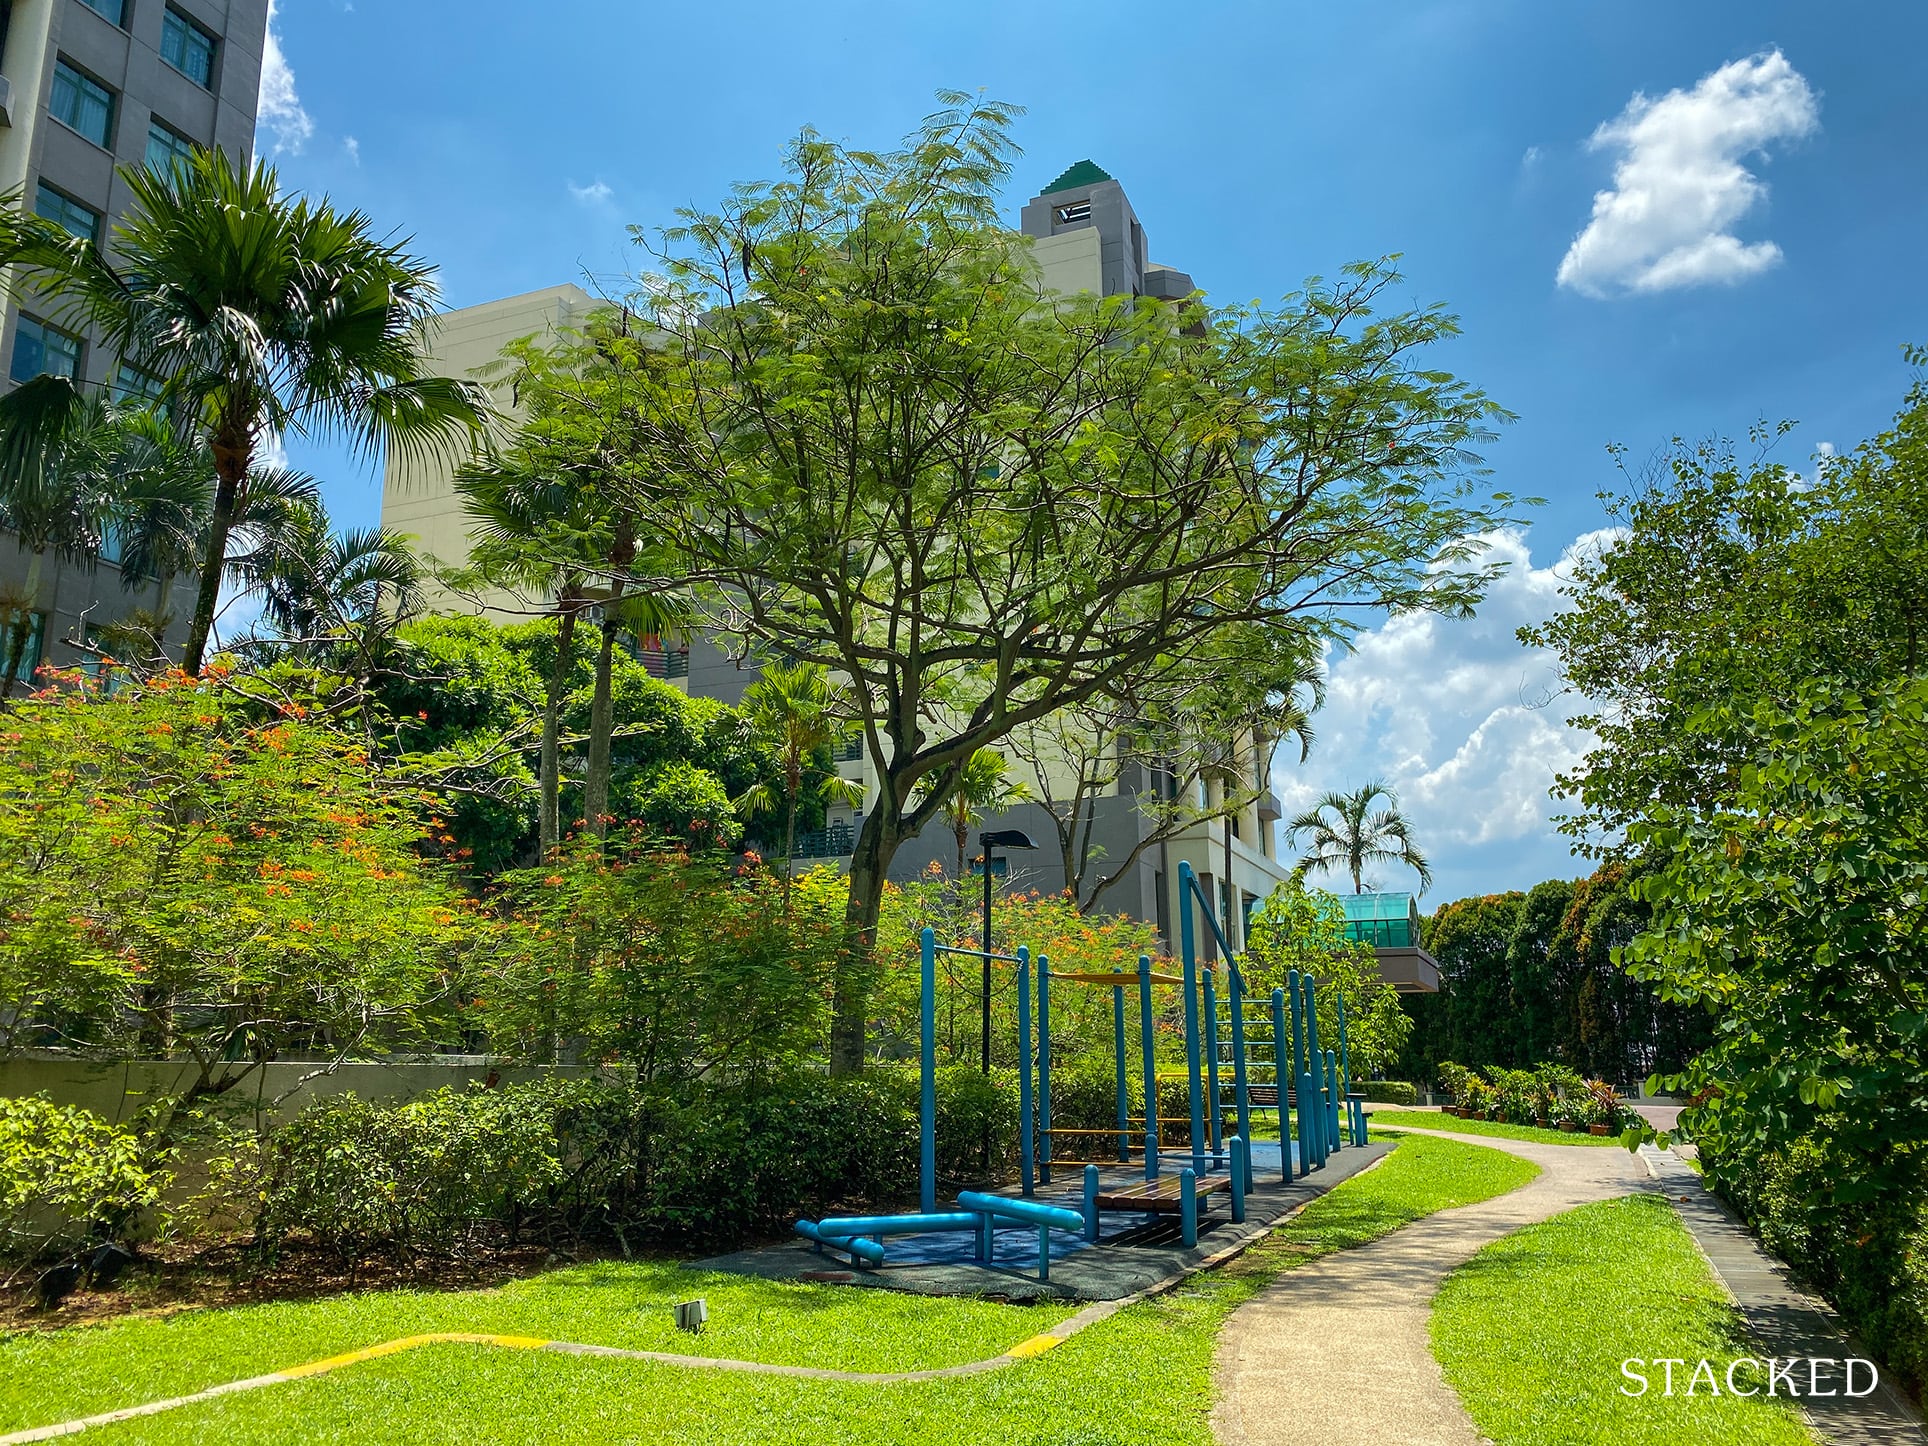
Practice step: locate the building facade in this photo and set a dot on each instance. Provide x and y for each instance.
(1085, 237)
(87, 87)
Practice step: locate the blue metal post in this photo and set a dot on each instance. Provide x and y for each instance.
(1091, 1203)
(1118, 1055)
(1314, 1067)
(1345, 1075)
(1044, 1069)
(1188, 1204)
(1024, 1069)
(1296, 994)
(1151, 1067)
(1214, 1117)
(1240, 1102)
(927, 1076)
(1332, 1108)
(1282, 1077)
(1309, 1157)
(1241, 1176)
(1188, 953)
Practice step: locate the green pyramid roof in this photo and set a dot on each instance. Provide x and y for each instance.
(1084, 173)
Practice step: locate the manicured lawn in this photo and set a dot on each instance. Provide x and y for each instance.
(1141, 1376)
(1533, 1330)
(1383, 1117)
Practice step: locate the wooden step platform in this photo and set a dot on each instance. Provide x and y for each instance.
(1163, 1196)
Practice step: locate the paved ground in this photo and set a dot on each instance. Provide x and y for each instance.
(1784, 1318)
(1133, 1256)
(1384, 1388)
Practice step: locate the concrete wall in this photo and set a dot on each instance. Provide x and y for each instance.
(418, 494)
(118, 1090)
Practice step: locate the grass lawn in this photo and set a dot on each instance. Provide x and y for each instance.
(1384, 1117)
(1143, 1375)
(1531, 1333)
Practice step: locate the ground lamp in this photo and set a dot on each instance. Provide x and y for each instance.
(997, 838)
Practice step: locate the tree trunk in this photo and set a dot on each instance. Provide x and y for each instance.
(595, 788)
(877, 843)
(232, 458)
(550, 828)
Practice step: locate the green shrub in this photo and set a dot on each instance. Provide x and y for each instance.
(977, 1121)
(1870, 1259)
(1389, 1092)
(65, 1175)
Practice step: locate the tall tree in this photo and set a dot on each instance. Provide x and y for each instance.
(798, 709)
(1344, 831)
(879, 445)
(263, 313)
(982, 787)
(319, 588)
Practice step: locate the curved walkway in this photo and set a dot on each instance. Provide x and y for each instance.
(1281, 1378)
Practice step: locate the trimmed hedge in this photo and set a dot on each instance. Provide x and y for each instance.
(1869, 1259)
(1389, 1092)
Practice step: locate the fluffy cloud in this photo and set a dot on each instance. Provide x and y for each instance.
(280, 110)
(595, 193)
(1679, 183)
(1465, 724)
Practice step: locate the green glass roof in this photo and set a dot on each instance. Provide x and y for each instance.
(1379, 906)
(1084, 173)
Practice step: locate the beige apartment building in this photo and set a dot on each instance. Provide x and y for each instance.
(87, 87)
(1086, 238)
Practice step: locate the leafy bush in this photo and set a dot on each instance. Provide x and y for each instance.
(355, 1176)
(703, 1163)
(1389, 1092)
(677, 965)
(1870, 1262)
(66, 1174)
(977, 1121)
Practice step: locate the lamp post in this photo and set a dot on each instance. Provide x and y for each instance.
(997, 838)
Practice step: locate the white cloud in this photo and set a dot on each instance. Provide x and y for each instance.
(353, 147)
(280, 109)
(595, 193)
(1463, 722)
(1679, 183)
(1531, 158)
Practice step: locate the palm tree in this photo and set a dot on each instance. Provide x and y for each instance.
(526, 532)
(984, 786)
(1347, 832)
(262, 313)
(319, 586)
(796, 707)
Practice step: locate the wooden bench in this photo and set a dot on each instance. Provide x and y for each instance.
(1167, 1195)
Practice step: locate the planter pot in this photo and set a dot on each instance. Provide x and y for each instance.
(1570, 1126)
(1543, 1123)
(1454, 1110)
(1599, 1129)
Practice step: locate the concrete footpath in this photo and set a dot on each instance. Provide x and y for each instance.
(1384, 1388)
(1785, 1319)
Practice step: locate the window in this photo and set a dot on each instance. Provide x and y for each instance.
(1070, 215)
(133, 384)
(39, 348)
(64, 210)
(86, 105)
(166, 148)
(114, 12)
(188, 48)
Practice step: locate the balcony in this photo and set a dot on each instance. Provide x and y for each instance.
(835, 842)
(1270, 810)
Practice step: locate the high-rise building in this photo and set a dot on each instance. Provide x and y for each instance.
(86, 87)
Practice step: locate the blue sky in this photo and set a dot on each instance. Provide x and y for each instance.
(1762, 259)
